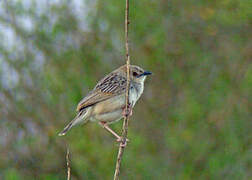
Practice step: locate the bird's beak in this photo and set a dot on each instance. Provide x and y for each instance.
(146, 73)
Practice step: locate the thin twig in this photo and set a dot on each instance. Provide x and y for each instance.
(126, 118)
(68, 165)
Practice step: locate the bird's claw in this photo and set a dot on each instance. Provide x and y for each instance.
(127, 111)
(122, 144)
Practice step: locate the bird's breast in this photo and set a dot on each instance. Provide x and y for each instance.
(136, 91)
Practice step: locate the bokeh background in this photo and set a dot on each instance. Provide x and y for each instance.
(193, 120)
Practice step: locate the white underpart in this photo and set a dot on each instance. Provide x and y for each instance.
(134, 94)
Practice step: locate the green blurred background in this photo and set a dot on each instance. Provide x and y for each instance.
(193, 120)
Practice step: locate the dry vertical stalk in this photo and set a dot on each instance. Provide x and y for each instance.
(126, 118)
(68, 165)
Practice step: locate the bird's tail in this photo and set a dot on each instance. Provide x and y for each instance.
(78, 119)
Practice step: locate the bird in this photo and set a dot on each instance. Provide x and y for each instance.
(105, 104)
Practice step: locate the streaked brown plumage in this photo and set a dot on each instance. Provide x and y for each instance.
(106, 102)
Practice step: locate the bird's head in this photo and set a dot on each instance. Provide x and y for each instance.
(137, 74)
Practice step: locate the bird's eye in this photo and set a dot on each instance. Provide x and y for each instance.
(135, 74)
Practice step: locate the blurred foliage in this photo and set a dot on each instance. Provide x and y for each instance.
(193, 120)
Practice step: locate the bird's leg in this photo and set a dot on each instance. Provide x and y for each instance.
(104, 125)
(119, 139)
(127, 111)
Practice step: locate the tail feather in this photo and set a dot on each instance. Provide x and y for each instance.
(67, 128)
(78, 119)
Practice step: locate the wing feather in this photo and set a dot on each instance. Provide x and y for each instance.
(110, 86)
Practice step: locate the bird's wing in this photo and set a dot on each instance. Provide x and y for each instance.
(110, 86)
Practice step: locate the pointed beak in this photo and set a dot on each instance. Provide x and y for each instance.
(146, 73)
